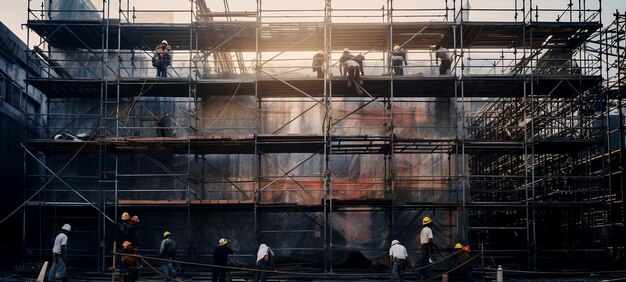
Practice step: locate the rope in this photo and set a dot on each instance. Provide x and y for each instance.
(156, 270)
(262, 270)
(453, 269)
(558, 273)
(435, 262)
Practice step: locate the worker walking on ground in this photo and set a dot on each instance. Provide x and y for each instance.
(318, 64)
(162, 58)
(426, 245)
(398, 58)
(463, 271)
(397, 260)
(168, 251)
(342, 61)
(129, 265)
(442, 54)
(220, 257)
(263, 262)
(59, 251)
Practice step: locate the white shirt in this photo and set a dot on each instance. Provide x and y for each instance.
(426, 234)
(60, 240)
(442, 54)
(351, 63)
(263, 251)
(398, 251)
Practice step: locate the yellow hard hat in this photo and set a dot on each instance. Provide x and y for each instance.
(223, 242)
(458, 246)
(396, 47)
(125, 216)
(426, 220)
(126, 244)
(166, 233)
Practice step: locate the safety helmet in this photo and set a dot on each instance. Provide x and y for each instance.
(346, 50)
(126, 244)
(125, 216)
(395, 242)
(426, 220)
(458, 246)
(134, 218)
(223, 242)
(67, 227)
(166, 233)
(396, 47)
(164, 42)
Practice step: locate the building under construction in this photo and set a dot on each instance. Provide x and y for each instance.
(517, 150)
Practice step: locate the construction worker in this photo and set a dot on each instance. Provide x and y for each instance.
(426, 245)
(220, 257)
(442, 54)
(463, 271)
(318, 64)
(59, 250)
(397, 259)
(263, 262)
(162, 58)
(354, 75)
(342, 60)
(129, 266)
(132, 230)
(398, 58)
(168, 251)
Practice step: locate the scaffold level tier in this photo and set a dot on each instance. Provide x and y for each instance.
(241, 36)
(377, 86)
(306, 144)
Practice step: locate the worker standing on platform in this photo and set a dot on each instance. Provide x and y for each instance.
(442, 54)
(318, 64)
(359, 59)
(59, 250)
(263, 262)
(220, 257)
(129, 266)
(397, 259)
(426, 245)
(342, 60)
(398, 58)
(168, 251)
(162, 58)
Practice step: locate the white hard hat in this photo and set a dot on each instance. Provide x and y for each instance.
(164, 42)
(223, 242)
(66, 227)
(346, 50)
(395, 242)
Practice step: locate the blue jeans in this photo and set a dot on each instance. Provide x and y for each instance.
(58, 264)
(162, 70)
(397, 275)
(261, 276)
(168, 269)
(425, 263)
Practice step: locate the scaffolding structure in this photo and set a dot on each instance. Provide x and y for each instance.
(505, 151)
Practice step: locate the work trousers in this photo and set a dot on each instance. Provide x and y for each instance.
(397, 67)
(58, 264)
(425, 269)
(398, 266)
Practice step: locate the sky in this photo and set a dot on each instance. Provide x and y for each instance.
(14, 12)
